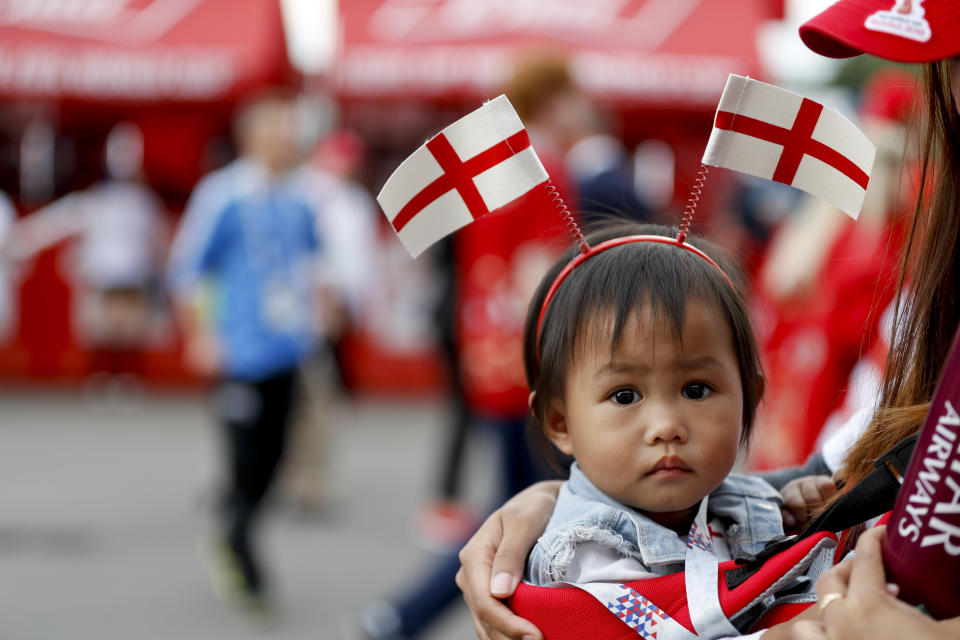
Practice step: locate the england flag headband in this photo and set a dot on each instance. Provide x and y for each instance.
(484, 161)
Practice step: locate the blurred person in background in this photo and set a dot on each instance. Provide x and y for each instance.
(445, 520)
(242, 275)
(8, 216)
(756, 209)
(498, 262)
(500, 259)
(123, 242)
(603, 173)
(345, 217)
(825, 282)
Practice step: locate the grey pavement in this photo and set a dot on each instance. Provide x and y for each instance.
(103, 509)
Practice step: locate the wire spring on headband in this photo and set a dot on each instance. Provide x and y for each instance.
(568, 218)
(692, 203)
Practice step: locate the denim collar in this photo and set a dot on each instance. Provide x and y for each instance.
(752, 525)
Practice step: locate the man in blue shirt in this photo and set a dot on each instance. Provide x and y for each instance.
(246, 248)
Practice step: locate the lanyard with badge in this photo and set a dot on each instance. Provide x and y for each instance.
(266, 241)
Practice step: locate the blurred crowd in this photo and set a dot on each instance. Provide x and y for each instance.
(280, 275)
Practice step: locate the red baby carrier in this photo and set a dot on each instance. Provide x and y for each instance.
(573, 614)
(569, 613)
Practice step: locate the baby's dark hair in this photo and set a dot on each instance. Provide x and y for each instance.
(621, 281)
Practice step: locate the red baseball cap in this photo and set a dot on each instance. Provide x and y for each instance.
(901, 30)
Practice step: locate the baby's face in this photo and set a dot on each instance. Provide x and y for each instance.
(657, 425)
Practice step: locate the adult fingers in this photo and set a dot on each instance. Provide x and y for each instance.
(492, 619)
(523, 520)
(835, 580)
(461, 581)
(493, 561)
(867, 572)
(867, 598)
(808, 630)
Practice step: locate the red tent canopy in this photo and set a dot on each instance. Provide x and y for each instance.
(140, 51)
(630, 52)
(175, 68)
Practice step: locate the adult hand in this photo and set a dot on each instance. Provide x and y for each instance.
(808, 630)
(494, 558)
(803, 497)
(856, 602)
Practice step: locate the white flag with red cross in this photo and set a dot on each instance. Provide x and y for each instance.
(476, 165)
(775, 134)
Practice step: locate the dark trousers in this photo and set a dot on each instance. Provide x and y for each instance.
(430, 595)
(255, 416)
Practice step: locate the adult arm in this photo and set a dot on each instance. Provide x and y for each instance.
(494, 558)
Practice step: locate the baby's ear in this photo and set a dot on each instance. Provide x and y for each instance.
(555, 427)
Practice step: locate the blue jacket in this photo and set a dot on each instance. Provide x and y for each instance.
(252, 238)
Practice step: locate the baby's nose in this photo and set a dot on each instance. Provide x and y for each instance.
(664, 424)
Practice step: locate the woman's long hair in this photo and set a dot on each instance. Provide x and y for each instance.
(927, 316)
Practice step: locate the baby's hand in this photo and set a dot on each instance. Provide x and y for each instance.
(803, 497)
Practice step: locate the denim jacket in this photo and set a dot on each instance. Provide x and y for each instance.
(749, 506)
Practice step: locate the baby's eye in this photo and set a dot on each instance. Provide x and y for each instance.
(625, 396)
(697, 391)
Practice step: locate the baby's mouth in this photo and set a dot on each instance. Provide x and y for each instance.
(669, 466)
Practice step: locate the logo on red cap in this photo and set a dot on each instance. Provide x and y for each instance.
(905, 20)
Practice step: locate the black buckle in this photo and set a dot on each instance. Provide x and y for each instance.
(749, 563)
(897, 458)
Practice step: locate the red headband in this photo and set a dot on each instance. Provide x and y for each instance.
(609, 244)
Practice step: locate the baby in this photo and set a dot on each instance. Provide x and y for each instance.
(644, 368)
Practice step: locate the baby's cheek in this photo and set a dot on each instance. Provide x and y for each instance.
(608, 469)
